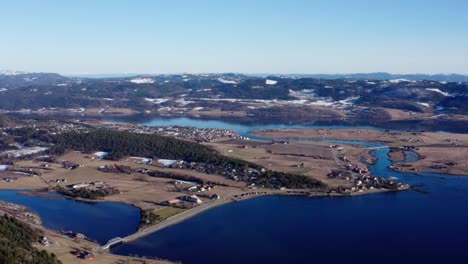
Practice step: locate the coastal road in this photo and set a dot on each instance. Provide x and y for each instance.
(177, 219)
(194, 211)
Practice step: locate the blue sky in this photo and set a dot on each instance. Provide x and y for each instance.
(294, 36)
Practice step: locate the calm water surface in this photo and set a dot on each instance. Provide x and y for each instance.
(100, 221)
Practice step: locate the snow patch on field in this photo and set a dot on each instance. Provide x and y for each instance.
(437, 90)
(182, 102)
(22, 152)
(401, 80)
(167, 162)
(302, 94)
(349, 100)
(142, 80)
(423, 104)
(11, 73)
(225, 81)
(322, 103)
(270, 82)
(157, 100)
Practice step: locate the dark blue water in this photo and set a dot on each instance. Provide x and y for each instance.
(241, 129)
(426, 225)
(100, 221)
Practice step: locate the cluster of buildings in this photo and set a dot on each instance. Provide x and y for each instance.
(84, 255)
(8, 179)
(54, 127)
(247, 194)
(74, 234)
(240, 174)
(57, 180)
(200, 188)
(192, 133)
(361, 183)
(91, 185)
(189, 198)
(357, 169)
(45, 241)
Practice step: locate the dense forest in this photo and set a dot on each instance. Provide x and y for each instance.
(85, 193)
(16, 244)
(273, 179)
(121, 144)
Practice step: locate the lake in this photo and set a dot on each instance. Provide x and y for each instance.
(100, 221)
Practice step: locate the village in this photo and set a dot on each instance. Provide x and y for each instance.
(183, 132)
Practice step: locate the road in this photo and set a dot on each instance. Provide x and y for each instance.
(194, 211)
(177, 218)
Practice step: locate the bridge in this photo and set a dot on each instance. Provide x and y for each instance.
(381, 147)
(112, 242)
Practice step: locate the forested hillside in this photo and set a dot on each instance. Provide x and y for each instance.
(121, 144)
(16, 244)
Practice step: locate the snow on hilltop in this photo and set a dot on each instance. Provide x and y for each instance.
(10, 72)
(437, 90)
(142, 80)
(270, 82)
(225, 81)
(401, 80)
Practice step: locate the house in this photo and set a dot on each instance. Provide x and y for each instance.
(193, 199)
(173, 202)
(99, 155)
(80, 185)
(86, 255)
(44, 241)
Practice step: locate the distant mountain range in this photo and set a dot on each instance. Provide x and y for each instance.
(385, 76)
(350, 76)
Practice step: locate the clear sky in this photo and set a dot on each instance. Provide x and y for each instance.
(254, 36)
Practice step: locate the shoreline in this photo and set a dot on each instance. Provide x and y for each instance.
(137, 117)
(208, 205)
(181, 217)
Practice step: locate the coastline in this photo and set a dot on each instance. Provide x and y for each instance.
(178, 218)
(181, 217)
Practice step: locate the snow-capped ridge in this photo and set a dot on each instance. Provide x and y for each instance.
(142, 80)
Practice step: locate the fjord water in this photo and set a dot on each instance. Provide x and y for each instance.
(425, 225)
(99, 221)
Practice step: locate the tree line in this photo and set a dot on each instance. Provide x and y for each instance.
(122, 144)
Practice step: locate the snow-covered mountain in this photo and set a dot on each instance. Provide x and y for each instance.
(11, 72)
(10, 79)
